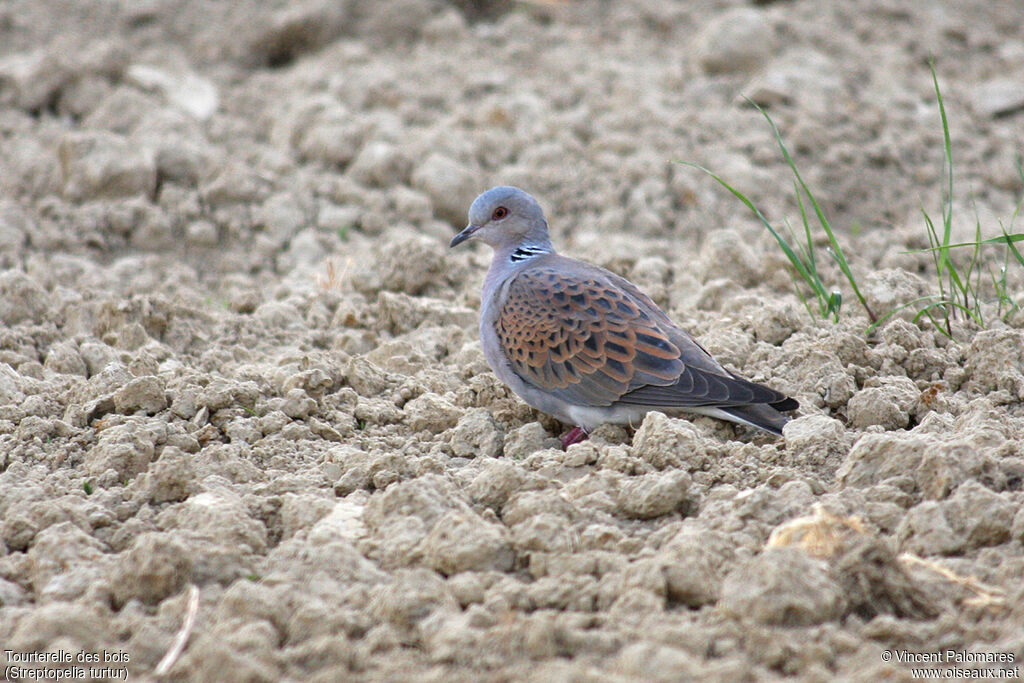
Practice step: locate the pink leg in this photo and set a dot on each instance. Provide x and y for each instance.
(575, 435)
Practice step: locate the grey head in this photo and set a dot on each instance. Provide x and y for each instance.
(506, 218)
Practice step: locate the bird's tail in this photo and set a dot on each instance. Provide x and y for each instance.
(761, 415)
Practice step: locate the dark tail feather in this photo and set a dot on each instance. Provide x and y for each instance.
(785, 404)
(763, 416)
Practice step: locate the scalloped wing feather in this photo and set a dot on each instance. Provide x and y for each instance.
(583, 338)
(589, 337)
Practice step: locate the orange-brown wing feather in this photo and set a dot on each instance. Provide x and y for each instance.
(587, 340)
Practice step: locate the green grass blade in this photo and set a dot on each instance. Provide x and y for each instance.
(1009, 240)
(803, 299)
(902, 307)
(933, 241)
(807, 227)
(805, 253)
(999, 284)
(835, 302)
(844, 266)
(1005, 238)
(974, 266)
(947, 200)
(949, 303)
(808, 276)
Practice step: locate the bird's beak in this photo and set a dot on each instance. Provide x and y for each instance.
(464, 235)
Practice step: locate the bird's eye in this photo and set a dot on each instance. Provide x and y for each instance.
(499, 213)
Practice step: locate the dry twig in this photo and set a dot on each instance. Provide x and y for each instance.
(180, 640)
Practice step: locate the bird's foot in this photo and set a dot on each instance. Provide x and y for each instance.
(575, 435)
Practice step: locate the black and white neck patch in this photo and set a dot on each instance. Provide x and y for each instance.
(527, 252)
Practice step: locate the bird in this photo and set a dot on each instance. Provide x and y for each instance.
(586, 346)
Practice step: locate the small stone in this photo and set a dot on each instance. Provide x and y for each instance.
(888, 405)
(782, 587)
(411, 205)
(219, 516)
(328, 133)
(544, 532)
(282, 215)
(243, 430)
(431, 412)
(338, 219)
(449, 184)
(30, 80)
(202, 233)
(645, 660)
(299, 512)
(528, 439)
(447, 26)
(183, 88)
(144, 394)
(304, 249)
(233, 182)
(477, 434)
(380, 164)
(802, 75)
(776, 322)
(185, 402)
(21, 299)
(122, 451)
(10, 385)
(298, 405)
(653, 495)
(171, 478)
(727, 255)
(693, 563)
(156, 566)
(995, 361)
(96, 356)
(738, 40)
(64, 561)
(402, 313)
(462, 541)
(11, 594)
(65, 359)
(413, 595)
(815, 438)
(276, 38)
(278, 314)
(496, 482)
(998, 97)
(937, 466)
(344, 520)
(889, 288)
(400, 22)
(411, 265)
(973, 517)
(14, 229)
(132, 336)
(99, 164)
(666, 442)
(925, 530)
(467, 587)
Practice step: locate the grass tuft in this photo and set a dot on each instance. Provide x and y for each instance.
(802, 256)
(960, 282)
(960, 285)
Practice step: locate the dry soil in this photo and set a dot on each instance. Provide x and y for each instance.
(239, 363)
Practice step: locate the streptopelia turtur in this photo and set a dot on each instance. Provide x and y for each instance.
(587, 346)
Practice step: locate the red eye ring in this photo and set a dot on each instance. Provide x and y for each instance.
(499, 213)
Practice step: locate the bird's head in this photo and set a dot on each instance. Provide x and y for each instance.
(505, 217)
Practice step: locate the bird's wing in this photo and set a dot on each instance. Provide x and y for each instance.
(588, 337)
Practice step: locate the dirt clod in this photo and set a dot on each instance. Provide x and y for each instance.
(241, 376)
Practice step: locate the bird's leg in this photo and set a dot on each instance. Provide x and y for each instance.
(575, 435)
